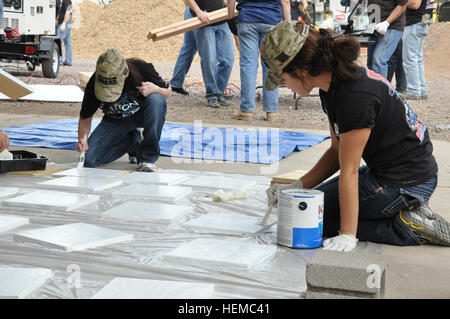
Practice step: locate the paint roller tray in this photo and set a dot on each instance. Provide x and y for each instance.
(23, 161)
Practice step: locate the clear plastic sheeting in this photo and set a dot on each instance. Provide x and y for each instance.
(130, 288)
(82, 274)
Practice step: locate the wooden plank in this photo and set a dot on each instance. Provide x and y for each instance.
(49, 170)
(187, 25)
(12, 87)
(288, 178)
(153, 33)
(84, 78)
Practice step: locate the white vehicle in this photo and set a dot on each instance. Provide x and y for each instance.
(28, 34)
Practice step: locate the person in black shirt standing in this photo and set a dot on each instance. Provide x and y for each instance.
(215, 46)
(384, 201)
(131, 95)
(416, 30)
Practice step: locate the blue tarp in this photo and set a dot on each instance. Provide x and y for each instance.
(257, 145)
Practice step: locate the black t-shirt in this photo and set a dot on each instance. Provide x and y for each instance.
(61, 7)
(129, 103)
(209, 6)
(415, 16)
(399, 149)
(386, 7)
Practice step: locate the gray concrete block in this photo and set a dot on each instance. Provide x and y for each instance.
(346, 273)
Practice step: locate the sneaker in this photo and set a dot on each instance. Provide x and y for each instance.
(427, 225)
(424, 97)
(243, 116)
(223, 101)
(407, 96)
(132, 159)
(213, 103)
(228, 97)
(67, 64)
(271, 116)
(180, 91)
(147, 167)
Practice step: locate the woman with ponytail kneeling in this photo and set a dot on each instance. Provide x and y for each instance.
(384, 201)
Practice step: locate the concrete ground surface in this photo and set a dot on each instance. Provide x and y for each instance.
(412, 272)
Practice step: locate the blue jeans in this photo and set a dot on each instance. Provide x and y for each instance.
(111, 139)
(395, 65)
(378, 219)
(216, 48)
(413, 39)
(1, 14)
(250, 38)
(185, 57)
(65, 38)
(379, 53)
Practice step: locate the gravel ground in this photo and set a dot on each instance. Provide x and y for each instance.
(435, 111)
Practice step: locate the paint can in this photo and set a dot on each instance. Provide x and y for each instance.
(300, 218)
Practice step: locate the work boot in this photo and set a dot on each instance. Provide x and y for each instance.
(243, 116)
(213, 103)
(180, 91)
(407, 96)
(222, 101)
(427, 225)
(271, 116)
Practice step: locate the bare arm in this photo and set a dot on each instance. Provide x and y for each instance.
(413, 4)
(67, 16)
(84, 127)
(203, 17)
(396, 13)
(231, 7)
(325, 167)
(305, 4)
(286, 7)
(351, 147)
(148, 88)
(4, 141)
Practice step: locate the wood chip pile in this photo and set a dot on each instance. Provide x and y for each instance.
(124, 25)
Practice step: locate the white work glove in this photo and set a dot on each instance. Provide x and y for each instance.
(63, 28)
(340, 243)
(328, 24)
(273, 191)
(382, 27)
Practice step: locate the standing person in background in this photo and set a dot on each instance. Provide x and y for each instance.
(216, 48)
(185, 57)
(254, 20)
(416, 30)
(1, 14)
(295, 8)
(63, 25)
(389, 29)
(395, 66)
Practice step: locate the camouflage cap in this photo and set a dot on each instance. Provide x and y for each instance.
(110, 75)
(279, 46)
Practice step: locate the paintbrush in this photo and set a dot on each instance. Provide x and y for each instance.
(81, 160)
(269, 209)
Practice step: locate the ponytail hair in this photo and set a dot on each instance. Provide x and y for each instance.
(323, 53)
(134, 78)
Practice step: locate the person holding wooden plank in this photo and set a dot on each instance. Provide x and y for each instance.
(185, 57)
(254, 20)
(131, 95)
(216, 48)
(385, 200)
